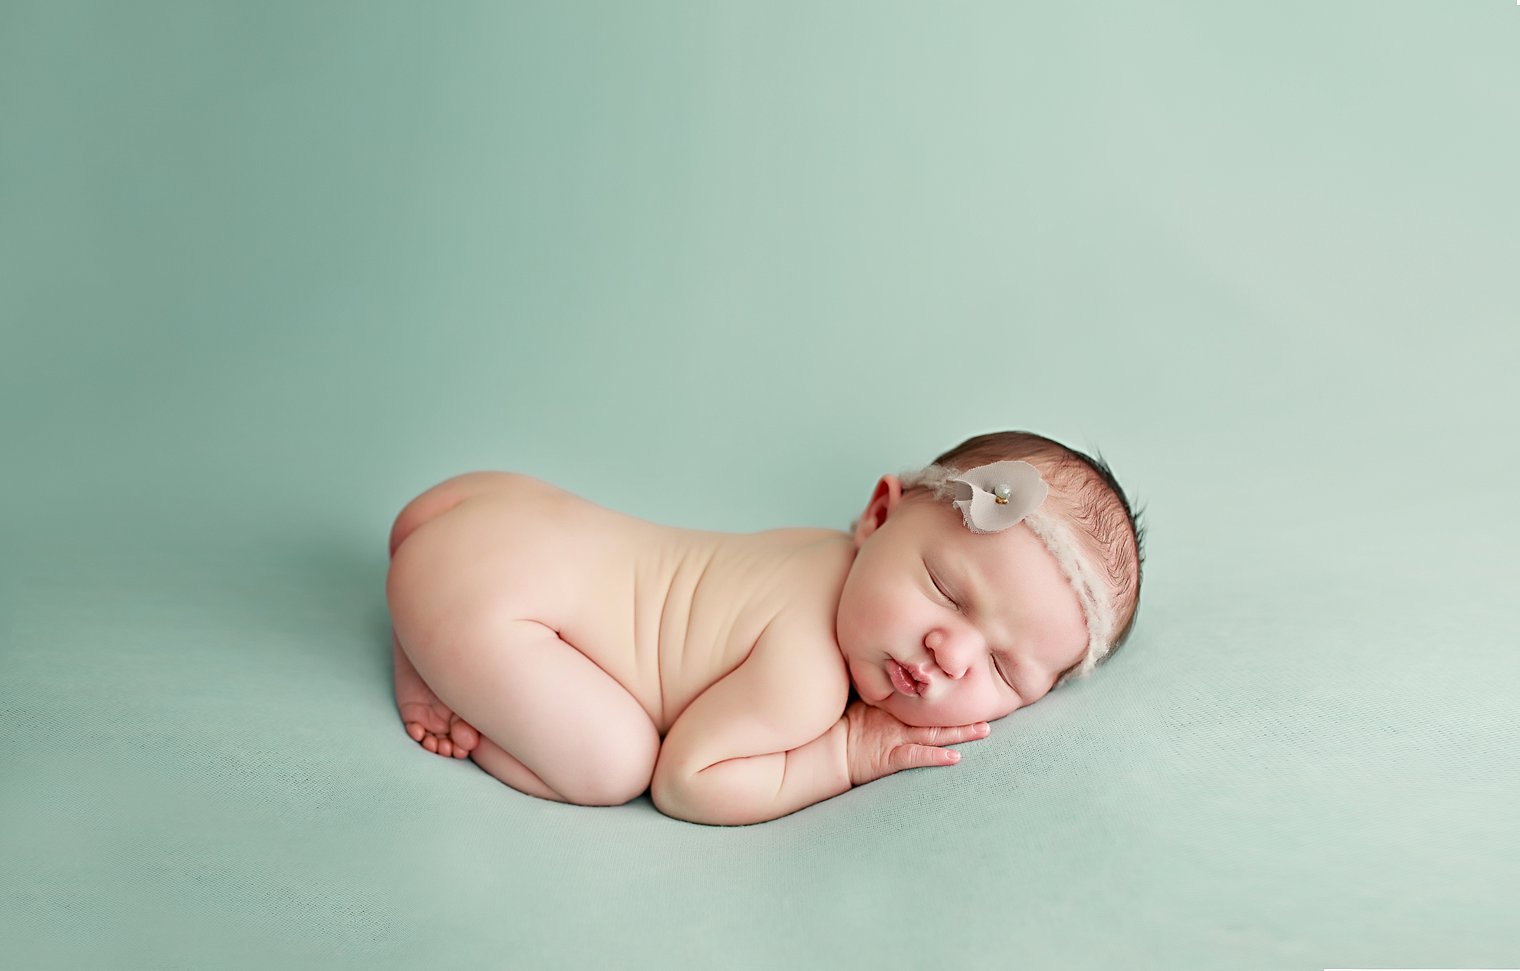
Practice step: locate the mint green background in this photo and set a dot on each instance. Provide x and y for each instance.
(269, 270)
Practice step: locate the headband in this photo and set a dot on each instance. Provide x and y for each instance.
(992, 498)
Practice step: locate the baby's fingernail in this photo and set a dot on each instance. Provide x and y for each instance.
(954, 755)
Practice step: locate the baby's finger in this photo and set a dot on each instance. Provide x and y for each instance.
(913, 756)
(949, 734)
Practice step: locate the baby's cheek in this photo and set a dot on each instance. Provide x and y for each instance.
(867, 612)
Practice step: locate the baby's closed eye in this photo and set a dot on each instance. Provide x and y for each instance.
(940, 586)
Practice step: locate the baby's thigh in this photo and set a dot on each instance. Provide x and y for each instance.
(542, 701)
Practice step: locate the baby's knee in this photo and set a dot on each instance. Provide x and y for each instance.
(618, 771)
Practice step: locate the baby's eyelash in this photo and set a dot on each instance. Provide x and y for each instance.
(997, 665)
(942, 592)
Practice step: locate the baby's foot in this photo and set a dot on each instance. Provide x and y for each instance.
(427, 719)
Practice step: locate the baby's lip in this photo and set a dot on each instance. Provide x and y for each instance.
(907, 680)
(920, 673)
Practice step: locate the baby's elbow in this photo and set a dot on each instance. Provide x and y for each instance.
(683, 795)
(672, 792)
(668, 801)
(674, 799)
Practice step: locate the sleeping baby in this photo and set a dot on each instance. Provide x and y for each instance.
(586, 656)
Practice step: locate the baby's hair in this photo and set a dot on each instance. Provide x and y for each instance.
(1088, 498)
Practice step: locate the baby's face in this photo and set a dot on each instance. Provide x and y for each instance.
(943, 626)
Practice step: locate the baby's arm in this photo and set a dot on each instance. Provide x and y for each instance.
(764, 741)
(775, 705)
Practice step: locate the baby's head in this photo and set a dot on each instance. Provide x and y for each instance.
(962, 611)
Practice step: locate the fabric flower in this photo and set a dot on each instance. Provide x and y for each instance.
(993, 497)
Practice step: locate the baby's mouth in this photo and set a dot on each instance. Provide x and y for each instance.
(902, 679)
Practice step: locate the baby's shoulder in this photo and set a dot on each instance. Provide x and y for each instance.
(815, 563)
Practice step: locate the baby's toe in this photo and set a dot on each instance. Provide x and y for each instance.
(464, 735)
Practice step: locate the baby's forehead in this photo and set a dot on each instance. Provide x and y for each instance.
(997, 558)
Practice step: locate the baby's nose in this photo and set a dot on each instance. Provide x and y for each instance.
(947, 656)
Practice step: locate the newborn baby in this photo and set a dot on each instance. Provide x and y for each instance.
(582, 655)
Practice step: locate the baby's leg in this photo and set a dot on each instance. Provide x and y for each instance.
(552, 723)
(500, 763)
(438, 729)
(430, 722)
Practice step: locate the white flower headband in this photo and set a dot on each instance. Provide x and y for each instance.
(994, 497)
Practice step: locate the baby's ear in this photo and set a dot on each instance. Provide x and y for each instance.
(884, 499)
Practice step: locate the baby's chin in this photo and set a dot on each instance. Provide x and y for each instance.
(872, 691)
(916, 719)
(920, 715)
(902, 713)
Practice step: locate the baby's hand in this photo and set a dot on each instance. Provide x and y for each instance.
(878, 744)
